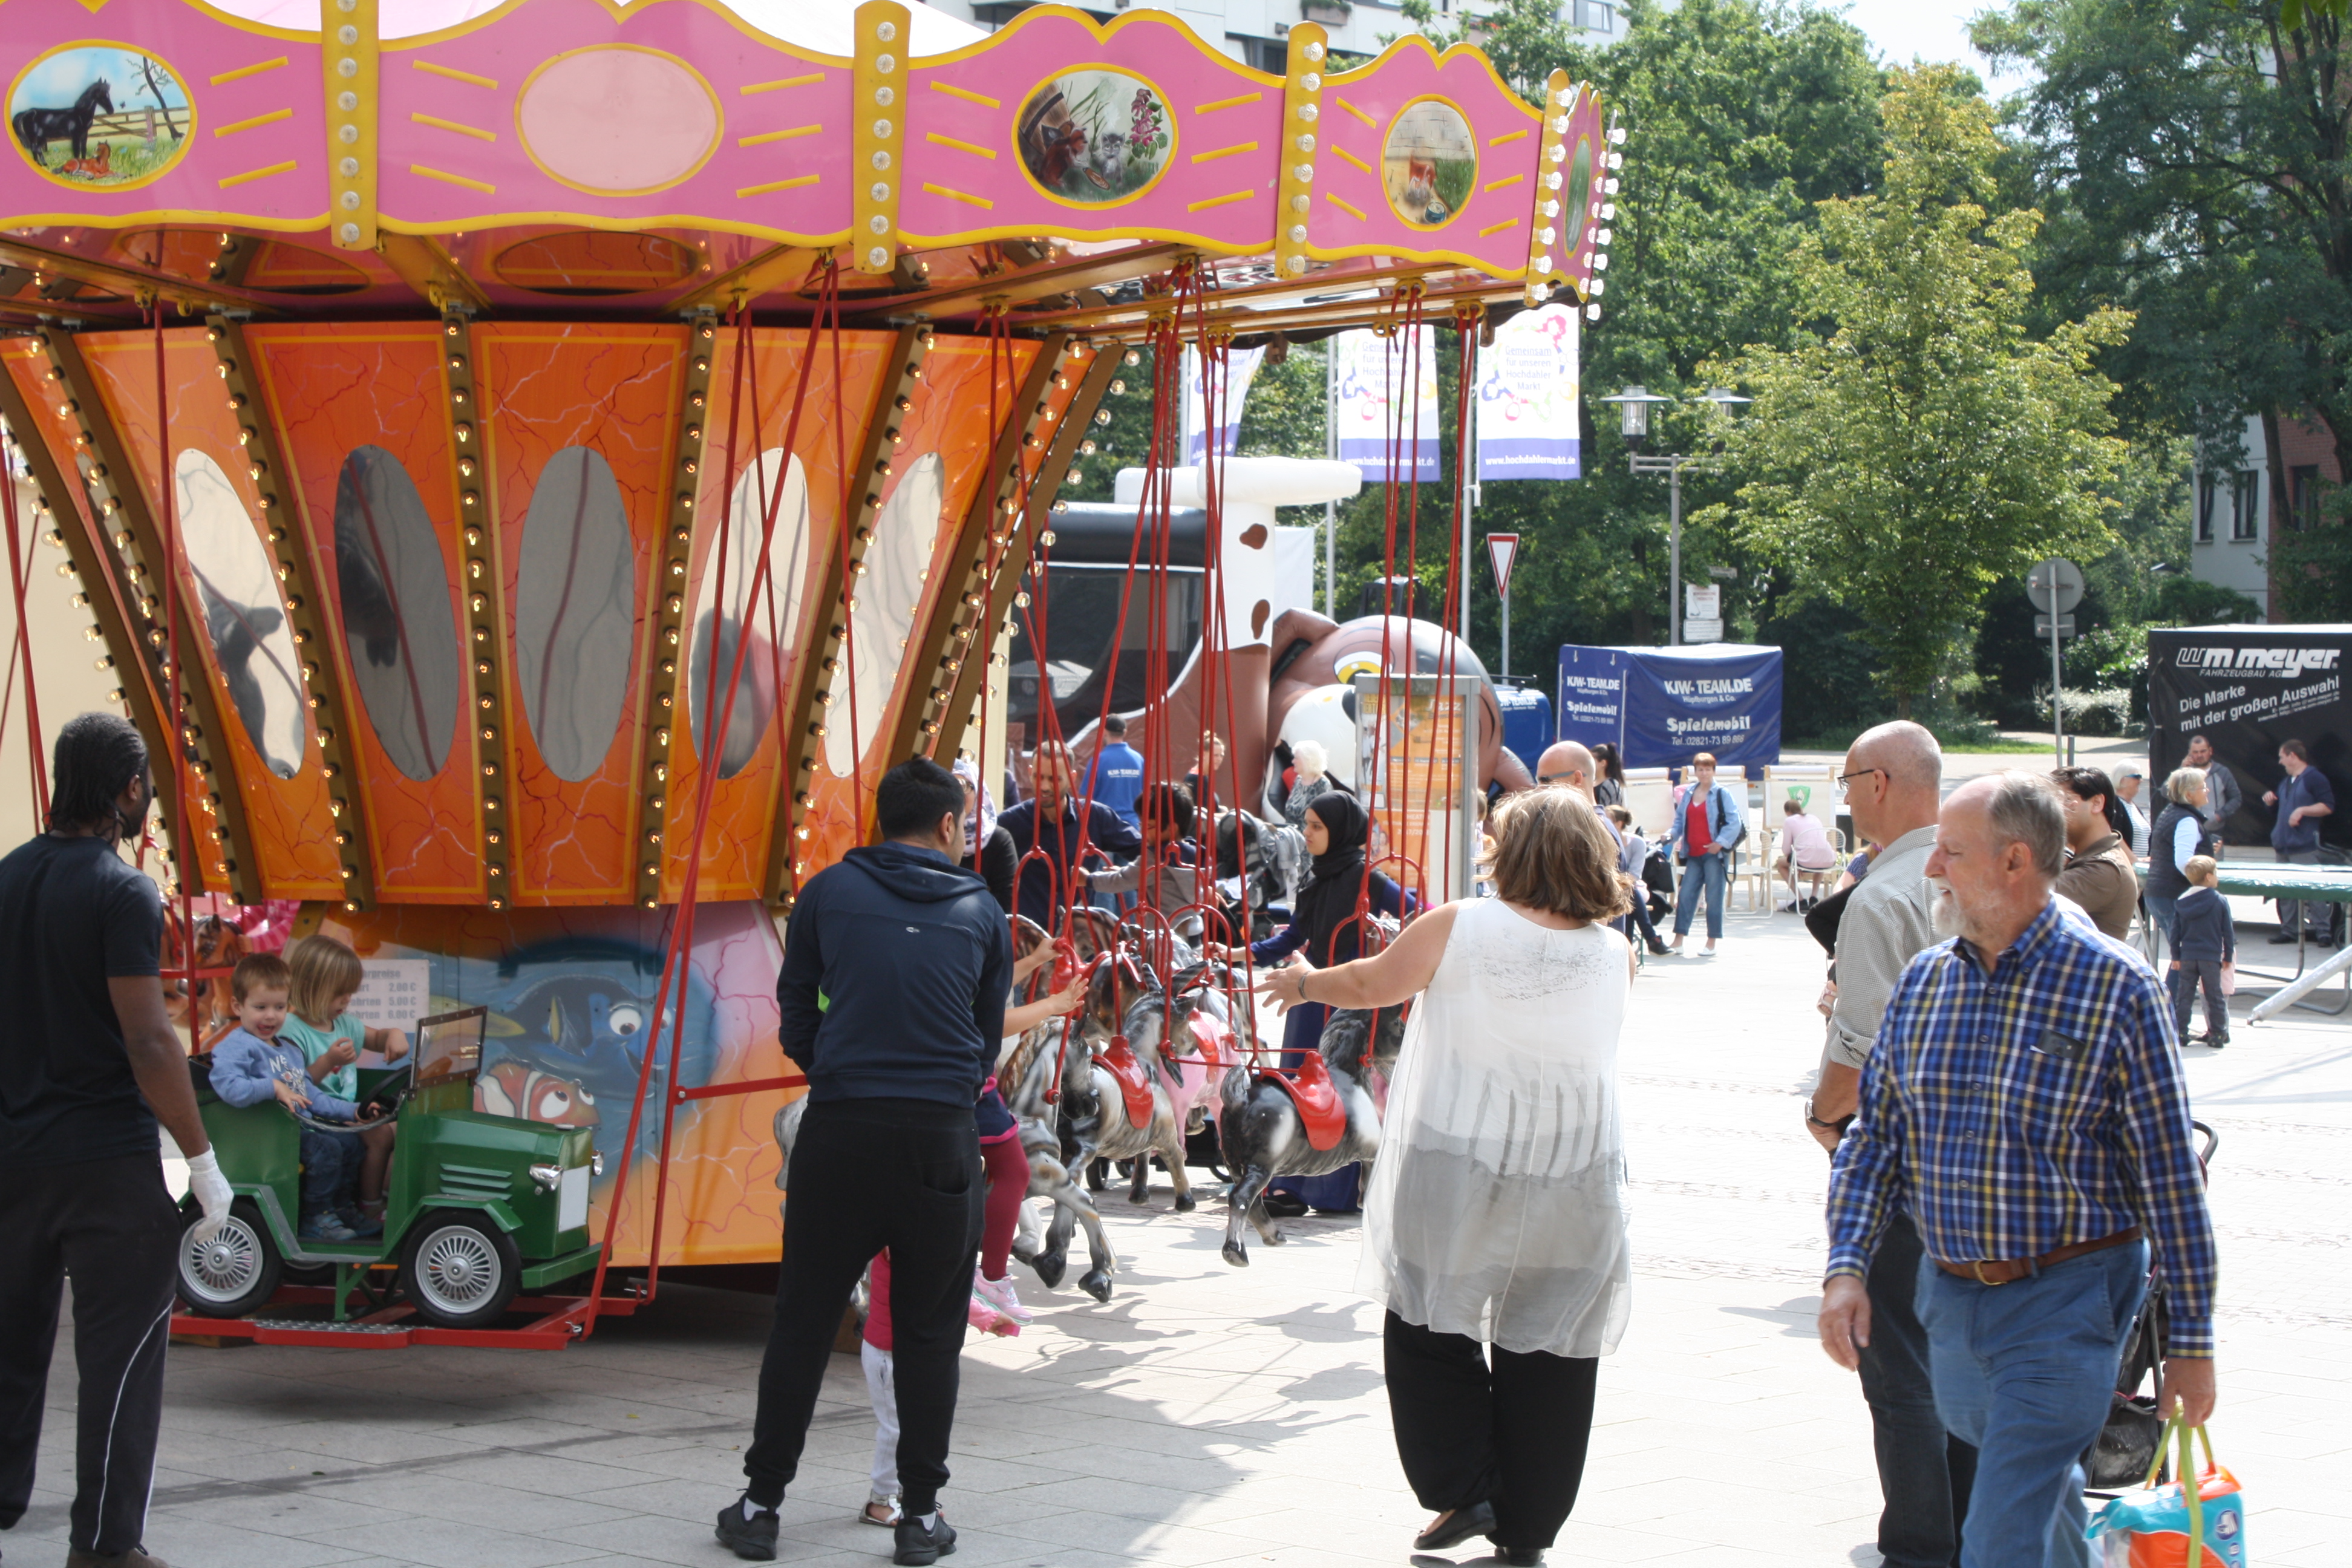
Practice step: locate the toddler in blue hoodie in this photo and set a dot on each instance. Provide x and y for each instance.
(251, 1064)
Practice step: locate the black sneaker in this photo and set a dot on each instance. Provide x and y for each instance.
(917, 1546)
(752, 1536)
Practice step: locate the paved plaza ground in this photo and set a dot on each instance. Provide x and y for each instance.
(1216, 1415)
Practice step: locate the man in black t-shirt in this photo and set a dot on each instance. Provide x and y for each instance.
(89, 1064)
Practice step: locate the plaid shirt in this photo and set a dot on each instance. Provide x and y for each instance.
(2016, 1112)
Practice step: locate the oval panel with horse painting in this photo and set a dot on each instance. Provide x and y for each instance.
(1095, 137)
(1429, 163)
(100, 116)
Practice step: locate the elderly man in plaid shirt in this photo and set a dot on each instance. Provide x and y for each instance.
(2024, 1105)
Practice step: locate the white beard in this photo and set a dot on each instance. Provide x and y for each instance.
(1945, 916)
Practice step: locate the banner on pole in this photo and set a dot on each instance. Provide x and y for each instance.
(1503, 548)
(1241, 369)
(1529, 407)
(1373, 397)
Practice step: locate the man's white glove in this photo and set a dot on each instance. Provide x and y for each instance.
(210, 1190)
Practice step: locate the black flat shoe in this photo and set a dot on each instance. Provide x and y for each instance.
(752, 1537)
(2284, 939)
(917, 1545)
(1520, 1557)
(1283, 1206)
(1456, 1528)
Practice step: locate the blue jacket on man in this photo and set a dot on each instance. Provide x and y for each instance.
(897, 966)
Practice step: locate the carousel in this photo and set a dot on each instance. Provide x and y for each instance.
(527, 469)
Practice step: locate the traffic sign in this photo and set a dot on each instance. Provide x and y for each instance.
(1695, 630)
(2066, 625)
(2056, 577)
(1502, 549)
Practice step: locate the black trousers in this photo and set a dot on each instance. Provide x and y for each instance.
(1924, 1472)
(111, 1225)
(866, 1175)
(1515, 1435)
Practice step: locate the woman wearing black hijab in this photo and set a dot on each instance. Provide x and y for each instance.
(1324, 925)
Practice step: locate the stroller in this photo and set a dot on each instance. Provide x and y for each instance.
(2120, 1457)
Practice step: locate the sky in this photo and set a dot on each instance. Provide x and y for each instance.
(1929, 31)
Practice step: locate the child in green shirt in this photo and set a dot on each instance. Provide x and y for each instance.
(326, 976)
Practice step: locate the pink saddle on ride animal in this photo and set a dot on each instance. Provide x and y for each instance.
(1119, 1061)
(1313, 1091)
(1214, 1042)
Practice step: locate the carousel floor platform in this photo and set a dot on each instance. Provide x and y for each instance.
(1210, 1416)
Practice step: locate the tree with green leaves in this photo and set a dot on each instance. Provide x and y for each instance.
(2195, 157)
(1915, 445)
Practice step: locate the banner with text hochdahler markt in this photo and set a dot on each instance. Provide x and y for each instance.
(2245, 689)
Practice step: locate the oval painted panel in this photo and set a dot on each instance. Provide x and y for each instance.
(1092, 138)
(1577, 208)
(398, 631)
(772, 616)
(569, 117)
(574, 616)
(245, 619)
(100, 117)
(1429, 163)
(897, 565)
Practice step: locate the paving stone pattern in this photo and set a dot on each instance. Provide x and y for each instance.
(1210, 1415)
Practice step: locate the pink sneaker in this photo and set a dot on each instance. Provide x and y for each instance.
(999, 1294)
(981, 1315)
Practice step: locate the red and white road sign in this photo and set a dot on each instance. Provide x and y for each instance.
(1502, 548)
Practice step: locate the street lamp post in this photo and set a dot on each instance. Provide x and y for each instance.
(1633, 423)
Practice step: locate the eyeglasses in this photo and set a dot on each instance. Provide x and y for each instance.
(1557, 778)
(1844, 781)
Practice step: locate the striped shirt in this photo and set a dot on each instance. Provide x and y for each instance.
(2013, 1113)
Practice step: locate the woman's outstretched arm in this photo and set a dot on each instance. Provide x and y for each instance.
(1398, 972)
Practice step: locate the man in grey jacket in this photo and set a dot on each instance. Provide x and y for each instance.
(1892, 783)
(2223, 795)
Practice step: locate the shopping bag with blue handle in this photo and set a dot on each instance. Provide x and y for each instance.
(2169, 1526)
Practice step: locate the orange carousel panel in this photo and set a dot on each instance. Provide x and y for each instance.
(361, 415)
(246, 650)
(579, 426)
(54, 427)
(937, 471)
(806, 491)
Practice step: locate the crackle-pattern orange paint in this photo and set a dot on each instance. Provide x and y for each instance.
(951, 417)
(54, 428)
(746, 809)
(614, 389)
(293, 829)
(331, 389)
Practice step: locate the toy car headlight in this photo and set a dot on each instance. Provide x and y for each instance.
(547, 1178)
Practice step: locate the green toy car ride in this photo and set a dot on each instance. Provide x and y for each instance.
(477, 1207)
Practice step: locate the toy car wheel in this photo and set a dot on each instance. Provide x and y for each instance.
(235, 1273)
(459, 1269)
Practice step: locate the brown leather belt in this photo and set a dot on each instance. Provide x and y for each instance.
(2000, 1271)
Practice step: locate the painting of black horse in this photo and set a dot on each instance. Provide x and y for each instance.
(37, 127)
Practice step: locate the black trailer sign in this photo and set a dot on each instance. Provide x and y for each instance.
(2245, 689)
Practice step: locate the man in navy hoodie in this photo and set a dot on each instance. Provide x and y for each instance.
(897, 966)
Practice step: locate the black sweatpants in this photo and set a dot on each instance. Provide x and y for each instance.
(1925, 1474)
(1513, 1437)
(866, 1175)
(111, 1225)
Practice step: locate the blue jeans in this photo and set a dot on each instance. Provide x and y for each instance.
(2026, 1371)
(1713, 871)
(330, 1163)
(2159, 909)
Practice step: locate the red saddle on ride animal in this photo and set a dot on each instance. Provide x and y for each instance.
(1313, 1091)
(1133, 1087)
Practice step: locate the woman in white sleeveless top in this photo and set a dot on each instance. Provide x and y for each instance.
(1494, 1217)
